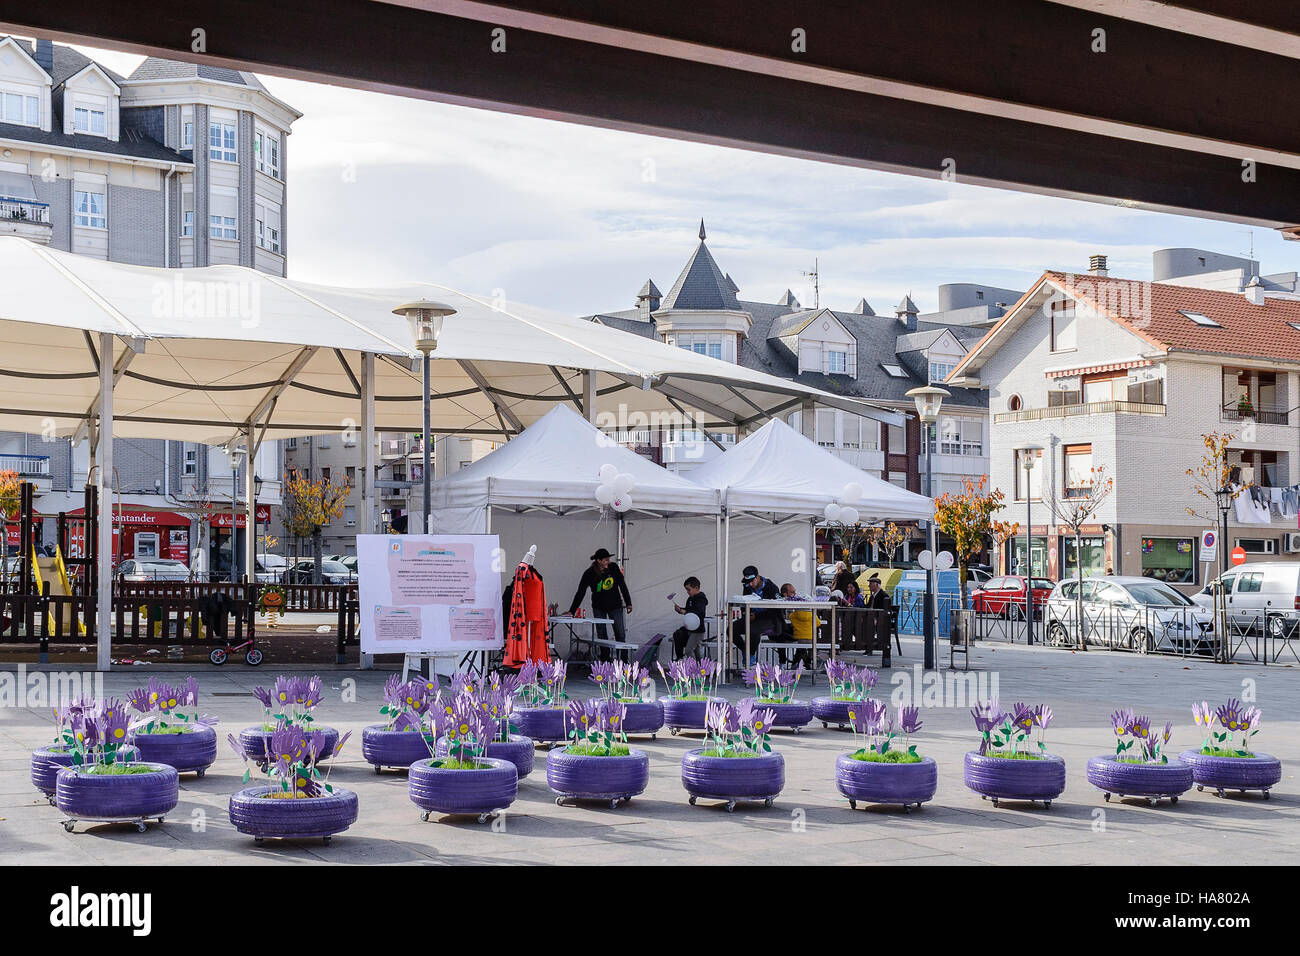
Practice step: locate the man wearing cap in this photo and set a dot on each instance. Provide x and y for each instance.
(609, 595)
(877, 597)
(765, 621)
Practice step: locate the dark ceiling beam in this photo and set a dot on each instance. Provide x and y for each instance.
(404, 50)
(1272, 25)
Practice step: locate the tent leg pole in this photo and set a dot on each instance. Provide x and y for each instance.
(104, 460)
(250, 506)
(589, 396)
(724, 639)
(368, 502)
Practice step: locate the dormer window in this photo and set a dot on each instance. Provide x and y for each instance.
(94, 122)
(20, 109)
(837, 363)
(940, 370)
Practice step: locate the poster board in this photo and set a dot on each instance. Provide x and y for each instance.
(429, 593)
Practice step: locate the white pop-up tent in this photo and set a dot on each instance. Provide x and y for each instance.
(540, 489)
(780, 477)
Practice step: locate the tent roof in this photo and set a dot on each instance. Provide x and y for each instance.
(777, 470)
(555, 462)
(202, 353)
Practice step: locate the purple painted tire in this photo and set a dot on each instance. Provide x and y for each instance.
(254, 813)
(1149, 780)
(543, 724)
(866, 781)
(733, 779)
(193, 751)
(583, 777)
(1002, 778)
(1260, 772)
(519, 750)
(682, 714)
(437, 790)
(792, 716)
(84, 796)
(254, 740)
(644, 717)
(397, 749)
(831, 711)
(46, 764)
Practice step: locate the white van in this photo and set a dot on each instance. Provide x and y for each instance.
(1266, 594)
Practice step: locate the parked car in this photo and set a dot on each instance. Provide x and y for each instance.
(270, 568)
(1133, 612)
(1006, 596)
(152, 569)
(350, 563)
(1262, 595)
(331, 572)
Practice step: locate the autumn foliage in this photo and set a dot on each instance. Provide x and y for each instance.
(968, 518)
(311, 504)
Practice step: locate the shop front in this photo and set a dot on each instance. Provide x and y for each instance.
(139, 534)
(226, 540)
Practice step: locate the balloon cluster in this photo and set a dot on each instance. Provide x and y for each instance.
(844, 511)
(614, 488)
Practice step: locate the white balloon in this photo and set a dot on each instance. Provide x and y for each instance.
(849, 514)
(607, 473)
(852, 493)
(692, 622)
(621, 504)
(832, 512)
(604, 494)
(622, 483)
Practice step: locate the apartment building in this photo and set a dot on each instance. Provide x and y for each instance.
(1129, 374)
(176, 165)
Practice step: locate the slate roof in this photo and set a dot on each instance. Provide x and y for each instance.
(701, 285)
(156, 68)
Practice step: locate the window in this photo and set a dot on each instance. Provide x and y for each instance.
(190, 467)
(350, 516)
(187, 212)
(266, 150)
(894, 371)
(959, 436)
(221, 142)
(85, 120)
(1035, 476)
(266, 215)
(1257, 546)
(350, 475)
(1150, 391)
(1094, 555)
(1200, 318)
(837, 363)
(325, 475)
(187, 127)
(20, 109)
(826, 427)
(224, 208)
(1172, 560)
(897, 439)
(940, 370)
(1014, 403)
(1063, 328)
(1105, 387)
(291, 443)
(1078, 471)
(1250, 582)
(1066, 393)
(90, 210)
(701, 343)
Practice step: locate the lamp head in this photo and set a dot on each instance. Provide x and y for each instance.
(425, 319)
(929, 399)
(1029, 455)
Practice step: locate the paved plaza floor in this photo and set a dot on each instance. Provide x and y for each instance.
(810, 822)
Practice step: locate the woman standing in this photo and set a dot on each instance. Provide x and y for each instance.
(609, 595)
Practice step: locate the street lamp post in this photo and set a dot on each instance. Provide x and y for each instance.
(1223, 498)
(929, 399)
(425, 318)
(1028, 458)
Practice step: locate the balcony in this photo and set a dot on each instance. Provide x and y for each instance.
(1071, 411)
(1260, 414)
(31, 468)
(26, 219)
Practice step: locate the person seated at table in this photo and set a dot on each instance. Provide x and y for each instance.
(610, 597)
(764, 622)
(798, 628)
(686, 641)
(842, 576)
(851, 596)
(877, 597)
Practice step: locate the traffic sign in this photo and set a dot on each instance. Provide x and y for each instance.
(1209, 546)
(1239, 555)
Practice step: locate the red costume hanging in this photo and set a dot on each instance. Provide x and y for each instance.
(526, 625)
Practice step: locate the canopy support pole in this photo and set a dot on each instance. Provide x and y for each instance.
(368, 503)
(719, 603)
(589, 395)
(808, 420)
(726, 579)
(250, 505)
(104, 488)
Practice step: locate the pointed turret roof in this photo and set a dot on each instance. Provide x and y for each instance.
(649, 291)
(702, 285)
(907, 306)
(864, 308)
(788, 300)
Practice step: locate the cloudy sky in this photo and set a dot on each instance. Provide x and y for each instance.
(385, 190)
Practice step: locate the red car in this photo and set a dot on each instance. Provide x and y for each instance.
(998, 595)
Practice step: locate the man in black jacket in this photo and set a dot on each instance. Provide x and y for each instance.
(766, 621)
(609, 596)
(686, 641)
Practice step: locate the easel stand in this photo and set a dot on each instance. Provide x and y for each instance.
(455, 662)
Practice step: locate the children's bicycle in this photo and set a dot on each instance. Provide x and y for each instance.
(219, 655)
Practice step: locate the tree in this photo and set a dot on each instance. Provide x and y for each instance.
(10, 502)
(1074, 506)
(888, 538)
(197, 503)
(1211, 475)
(309, 505)
(968, 518)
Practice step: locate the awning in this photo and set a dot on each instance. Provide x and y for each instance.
(1090, 369)
(17, 186)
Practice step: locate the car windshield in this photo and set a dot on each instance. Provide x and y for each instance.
(1158, 595)
(331, 567)
(1043, 584)
(162, 566)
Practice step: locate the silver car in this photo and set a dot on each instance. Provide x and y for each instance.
(1129, 612)
(152, 569)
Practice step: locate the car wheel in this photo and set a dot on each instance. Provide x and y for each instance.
(1140, 638)
(1057, 635)
(1279, 628)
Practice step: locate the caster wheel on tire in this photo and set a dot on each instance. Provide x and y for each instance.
(1173, 799)
(1152, 802)
(1265, 796)
(614, 804)
(995, 803)
(767, 802)
(259, 841)
(731, 806)
(853, 804)
(1199, 788)
(1047, 804)
(326, 840)
(484, 817)
(559, 801)
(1106, 797)
(691, 801)
(69, 824)
(673, 731)
(201, 773)
(824, 725)
(140, 827)
(797, 729)
(425, 816)
(378, 770)
(907, 808)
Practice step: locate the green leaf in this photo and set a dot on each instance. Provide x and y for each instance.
(247, 774)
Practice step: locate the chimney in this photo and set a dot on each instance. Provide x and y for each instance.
(44, 55)
(1254, 292)
(906, 312)
(1097, 266)
(647, 300)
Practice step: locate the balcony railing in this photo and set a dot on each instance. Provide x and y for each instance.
(1070, 411)
(24, 210)
(971, 448)
(27, 466)
(1262, 414)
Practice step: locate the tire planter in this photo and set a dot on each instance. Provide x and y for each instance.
(254, 813)
(117, 798)
(644, 717)
(542, 724)
(682, 714)
(255, 740)
(733, 779)
(46, 764)
(793, 716)
(831, 711)
(1002, 778)
(583, 777)
(193, 751)
(1151, 781)
(906, 784)
(519, 750)
(1221, 774)
(481, 792)
(397, 749)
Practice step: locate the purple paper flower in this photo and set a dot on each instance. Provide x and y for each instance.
(1229, 714)
(1121, 720)
(909, 719)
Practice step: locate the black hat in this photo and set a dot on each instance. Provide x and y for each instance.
(749, 573)
(874, 577)
(601, 553)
